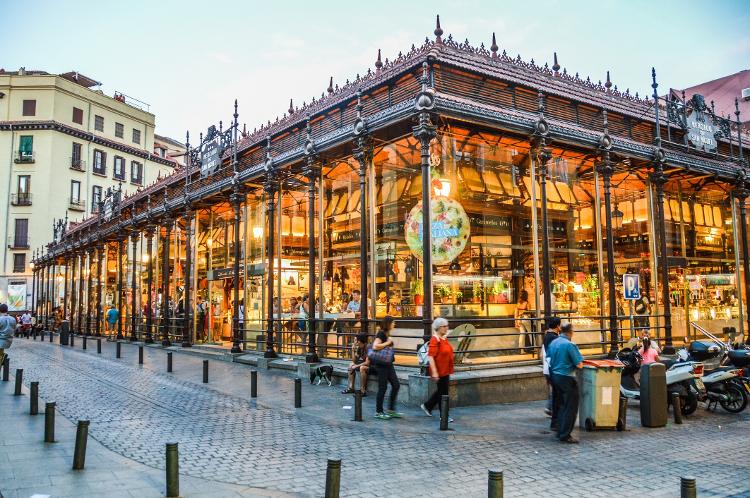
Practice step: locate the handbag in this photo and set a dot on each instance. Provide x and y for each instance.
(384, 355)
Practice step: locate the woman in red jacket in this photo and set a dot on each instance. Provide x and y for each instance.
(440, 355)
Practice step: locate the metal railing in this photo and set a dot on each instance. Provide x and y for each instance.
(24, 156)
(77, 164)
(21, 199)
(77, 204)
(17, 242)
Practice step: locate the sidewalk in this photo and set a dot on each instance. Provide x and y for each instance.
(29, 467)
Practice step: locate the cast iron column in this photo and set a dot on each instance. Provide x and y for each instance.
(65, 289)
(134, 237)
(236, 200)
(313, 173)
(89, 276)
(99, 261)
(121, 249)
(741, 193)
(606, 170)
(79, 317)
(73, 289)
(150, 285)
(363, 155)
(270, 188)
(165, 284)
(425, 131)
(187, 336)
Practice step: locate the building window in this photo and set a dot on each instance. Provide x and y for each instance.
(78, 115)
(21, 235)
(22, 197)
(119, 130)
(19, 263)
(96, 197)
(29, 107)
(24, 184)
(100, 162)
(119, 168)
(136, 172)
(98, 123)
(75, 192)
(26, 148)
(136, 136)
(75, 158)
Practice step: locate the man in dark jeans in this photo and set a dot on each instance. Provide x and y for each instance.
(564, 361)
(553, 332)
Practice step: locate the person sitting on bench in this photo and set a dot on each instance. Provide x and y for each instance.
(360, 362)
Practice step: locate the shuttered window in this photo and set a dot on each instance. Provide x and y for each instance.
(98, 123)
(29, 107)
(21, 235)
(19, 263)
(78, 115)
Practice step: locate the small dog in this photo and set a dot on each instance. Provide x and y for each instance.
(322, 373)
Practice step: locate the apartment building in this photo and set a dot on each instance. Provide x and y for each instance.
(63, 143)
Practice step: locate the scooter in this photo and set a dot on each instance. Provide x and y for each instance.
(683, 378)
(723, 383)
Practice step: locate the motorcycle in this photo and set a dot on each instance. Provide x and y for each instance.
(723, 384)
(683, 378)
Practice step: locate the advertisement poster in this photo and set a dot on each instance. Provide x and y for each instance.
(16, 297)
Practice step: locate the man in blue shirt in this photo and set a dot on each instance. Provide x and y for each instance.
(564, 360)
(353, 305)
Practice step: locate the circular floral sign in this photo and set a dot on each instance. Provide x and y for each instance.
(449, 230)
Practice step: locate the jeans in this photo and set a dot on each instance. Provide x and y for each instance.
(566, 401)
(442, 389)
(386, 374)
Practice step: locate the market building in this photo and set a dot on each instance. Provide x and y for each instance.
(64, 145)
(452, 181)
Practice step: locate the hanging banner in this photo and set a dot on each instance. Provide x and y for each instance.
(17, 297)
(450, 229)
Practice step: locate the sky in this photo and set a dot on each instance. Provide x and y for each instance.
(189, 60)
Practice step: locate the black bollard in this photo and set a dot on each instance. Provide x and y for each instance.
(169, 361)
(19, 381)
(140, 355)
(253, 383)
(71, 337)
(34, 399)
(118, 349)
(333, 478)
(494, 483)
(173, 471)
(33, 334)
(298, 393)
(6, 369)
(358, 406)
(677, 408)
(41, 336)
(444, 412)
(98, 346)
(51, 338)
(622, 417)
(205, 371)
(49, 422)
(79, 455)
(83, 346)
(687, 487)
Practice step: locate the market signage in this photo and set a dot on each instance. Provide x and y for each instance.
(449, 229)
(210, 157)
(17, 297)
(701, 131)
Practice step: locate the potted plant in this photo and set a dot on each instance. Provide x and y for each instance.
(417, 290)
(444, 292)
(458, 295)
(476, 292)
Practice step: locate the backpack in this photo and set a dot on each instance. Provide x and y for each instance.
(422, 354)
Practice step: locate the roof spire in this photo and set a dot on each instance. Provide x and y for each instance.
(291, 107)
(608, 83)
(555, 65)
(438, 31)
(494, 47)
(330, 86)
(378, 63)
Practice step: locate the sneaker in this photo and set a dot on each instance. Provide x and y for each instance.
(569, 440)
(450, 420)
(548, 412)
(382, 416)
(347, 391)
(394, 414)
(425, 410)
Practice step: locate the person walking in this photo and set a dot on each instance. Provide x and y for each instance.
(564, 361)
(8, 326)
(521, 309)
(113, 316)
(553, 332)
(381, 357)
(440, 356)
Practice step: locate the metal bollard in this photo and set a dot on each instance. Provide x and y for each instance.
(99, 346)
(444, 412)
(205, 371)
(82, 434)
(622, 418)
(71, 337)
(51, 338)
(41, 336)
(169, 361)
(688, 488)
(173, 471)
(677, 408)
(33, 333)
(6, 369)
(49, 422)
(298, 393)
(494, 483)
(333, 478)
(19, 381)
(253, 383)
(140, 355)
(85, 342)
(118, 349)
(34, 399)
(358, 406)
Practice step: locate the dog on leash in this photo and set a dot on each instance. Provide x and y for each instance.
(323, 373)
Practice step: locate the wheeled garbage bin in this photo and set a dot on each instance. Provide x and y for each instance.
(599, 405)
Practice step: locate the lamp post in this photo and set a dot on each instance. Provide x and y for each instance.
(270, 187)
(363, 155)
(543, 155)
(312, 172)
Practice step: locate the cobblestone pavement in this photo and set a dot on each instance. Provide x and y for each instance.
(227, 438)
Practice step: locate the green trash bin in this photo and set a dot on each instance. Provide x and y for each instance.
(599, 405)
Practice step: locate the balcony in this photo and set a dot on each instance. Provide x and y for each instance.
(77, 164)
(20, 199)
(23, 157)
(18, 242)
(77, 204)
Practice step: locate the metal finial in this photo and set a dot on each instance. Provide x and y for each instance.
(378, 63)
(291, 107)
(654, 84)
(235, 115)
(555, 65)
(606, 122)
(608, 83)
(425, 76)
(540, 96)
(359, 104)
(187, 139)
(438, 31)
(330, 85)
(494, 47)
(737, 108)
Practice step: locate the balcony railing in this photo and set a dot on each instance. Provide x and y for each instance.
(18, 242)
(77, 204)
(21, 199)
(23, 156)
(77, 164)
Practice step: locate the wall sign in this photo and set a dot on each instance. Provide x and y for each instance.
(17, 297)
(701, 131)
(210, 157)
(450, 229)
